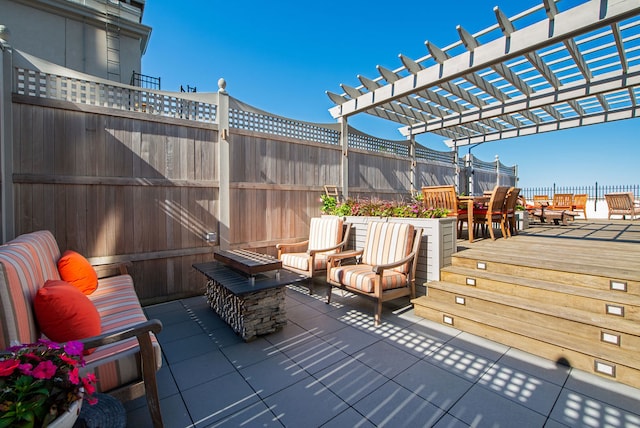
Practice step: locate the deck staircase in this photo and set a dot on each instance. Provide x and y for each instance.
(572, 301)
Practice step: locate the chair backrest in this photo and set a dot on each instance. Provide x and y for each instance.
(387, 242)
(563, 201)
(511, 199)
(440, 197)
(580, 201)
(325, 232)
(540, 199)
(498, 196)
(25, 264)
(619, 201)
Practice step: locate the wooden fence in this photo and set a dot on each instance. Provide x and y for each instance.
(120, 173)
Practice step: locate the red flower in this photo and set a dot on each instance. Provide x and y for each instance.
(73, 376)
(26, 369)
(44, 370)
(8, 366)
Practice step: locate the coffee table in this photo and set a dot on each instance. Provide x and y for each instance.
(247, 290)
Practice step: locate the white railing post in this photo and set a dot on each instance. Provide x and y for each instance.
(224, 194)
(414, 164)
(6, 137)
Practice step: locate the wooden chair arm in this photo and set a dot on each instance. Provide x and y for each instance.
(141, 329)
(378, 269)
(335, 247)
(285, 248)
(344, 255)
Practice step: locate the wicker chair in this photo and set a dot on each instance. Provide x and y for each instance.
(327, 235)
(386, 265)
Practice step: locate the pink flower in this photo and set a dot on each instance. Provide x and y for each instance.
(74, 348)
(44, 370)
(26, 369)
(8, 366)
(88, 382)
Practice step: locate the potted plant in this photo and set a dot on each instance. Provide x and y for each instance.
(40, 382)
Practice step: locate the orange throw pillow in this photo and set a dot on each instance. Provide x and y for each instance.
(64, 313)
(77, 271)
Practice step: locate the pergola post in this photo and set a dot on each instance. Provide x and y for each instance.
(224, 196)
(6, 138)
(497, 170)
(344, 165)
(414, 163)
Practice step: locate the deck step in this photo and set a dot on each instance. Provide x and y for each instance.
(588, 299)
(568, 300)
(534, 339)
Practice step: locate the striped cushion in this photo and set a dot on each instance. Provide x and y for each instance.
(386, 243)
(325, 232)
(27, 262)
(362, 277)
(117, 303)
(301, 261)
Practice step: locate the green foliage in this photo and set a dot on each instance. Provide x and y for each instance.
(379, 208)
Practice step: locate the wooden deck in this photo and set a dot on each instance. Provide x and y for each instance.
(568, 293)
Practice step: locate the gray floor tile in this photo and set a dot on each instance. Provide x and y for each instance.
(209, 366)
(174, 414)
(579, 410)
(305, 404)
(459, 361)
(350, 340)
(252, 416)
(320, 325)
(440, 387)
(244, 354)
(605, 390)
(288, 336)
(481, 408)
(189, 347)
(155, 311)
(394, 406)
(178, 330)
(448, 421)
(315, 355)
(480, 346)
(538, 367)
(530, 391)
(224, 336)
(351, 380)
(386, 359)
(349, 418)
(272, 375)
(218, 398)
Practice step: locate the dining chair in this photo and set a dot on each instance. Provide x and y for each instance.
(444, 197)
(510, 203)
(580, 203)
(493, 212)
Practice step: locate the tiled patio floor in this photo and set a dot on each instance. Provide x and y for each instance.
(331, 367)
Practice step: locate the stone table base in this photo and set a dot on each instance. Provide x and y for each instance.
(250, 314)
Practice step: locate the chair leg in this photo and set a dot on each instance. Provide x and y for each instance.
(328, 293)
(378, 315)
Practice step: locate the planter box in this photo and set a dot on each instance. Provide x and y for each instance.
(522, 220)
(437, 245)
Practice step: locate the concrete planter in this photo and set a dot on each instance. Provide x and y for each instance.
(437, 246)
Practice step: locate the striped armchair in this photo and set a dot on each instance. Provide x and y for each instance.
(327, 235)
(386, 268)
(127, 354)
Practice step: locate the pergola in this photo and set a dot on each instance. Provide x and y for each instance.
(567, 69)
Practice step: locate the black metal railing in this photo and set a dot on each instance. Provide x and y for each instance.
(143, 81)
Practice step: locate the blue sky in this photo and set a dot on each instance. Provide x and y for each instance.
(282, 56)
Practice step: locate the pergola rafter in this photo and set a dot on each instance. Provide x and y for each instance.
(574, 67)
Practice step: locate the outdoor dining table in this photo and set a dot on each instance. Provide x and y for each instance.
(472, 201)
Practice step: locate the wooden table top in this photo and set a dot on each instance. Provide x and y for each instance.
(248, 262)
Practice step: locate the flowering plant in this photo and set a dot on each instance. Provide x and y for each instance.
(39, 381)
(379, 208)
